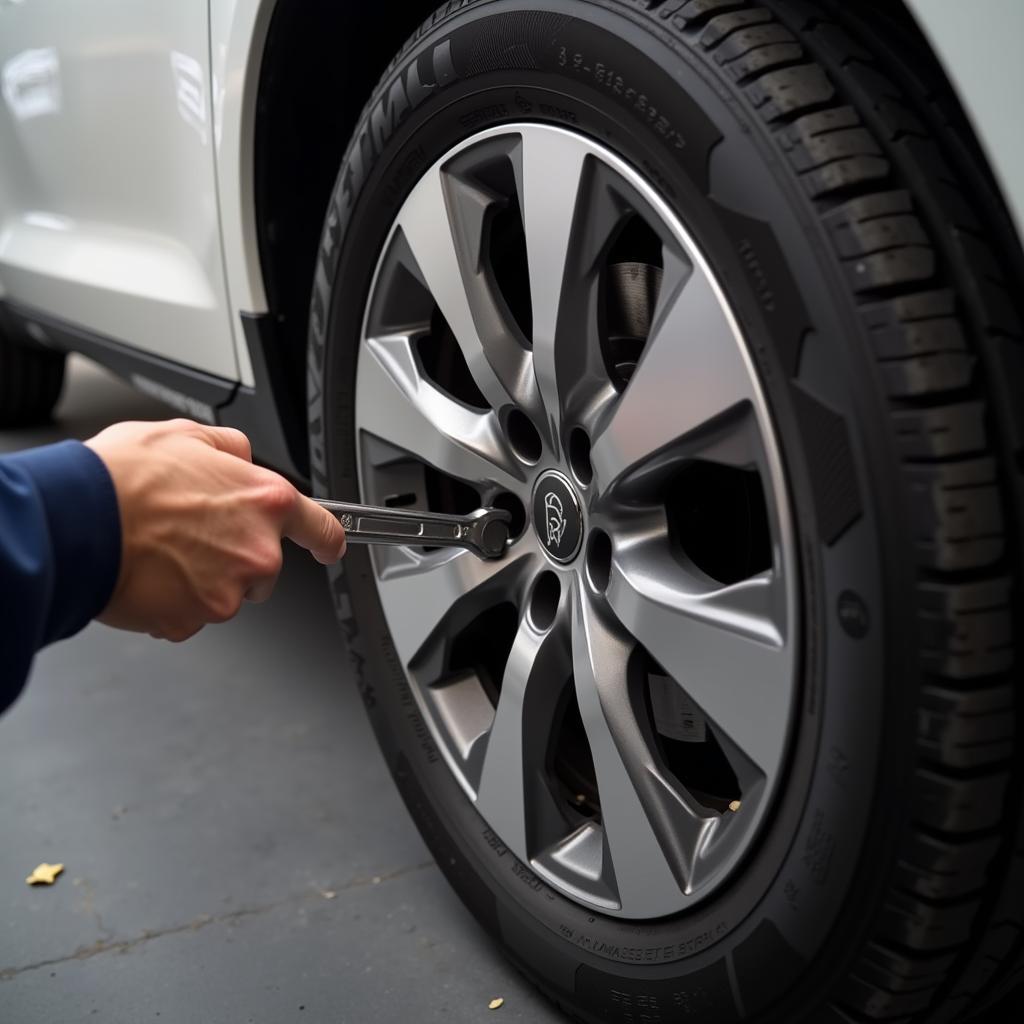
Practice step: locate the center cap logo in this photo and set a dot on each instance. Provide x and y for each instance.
(557, 517)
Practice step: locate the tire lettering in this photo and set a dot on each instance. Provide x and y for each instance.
(406, 93)
(492, 112)
(647, 954)
(494, 843)
(818, 849)
(526, 876)
(610, 79)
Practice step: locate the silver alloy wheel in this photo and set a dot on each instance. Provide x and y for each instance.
(633, 626)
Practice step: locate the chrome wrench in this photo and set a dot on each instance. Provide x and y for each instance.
(485, 532)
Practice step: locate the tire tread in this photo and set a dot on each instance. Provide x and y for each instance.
(850, 139)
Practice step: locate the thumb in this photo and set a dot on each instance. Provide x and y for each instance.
(315, 529)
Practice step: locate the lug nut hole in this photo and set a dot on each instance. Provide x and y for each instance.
(599, 560)
(523, 436)
(511, 504)
(579, 456)
(544, 600)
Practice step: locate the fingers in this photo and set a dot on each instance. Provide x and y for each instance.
(262, 589)
(315, 529)
(229, 440)
(177, 633)
(225, 439)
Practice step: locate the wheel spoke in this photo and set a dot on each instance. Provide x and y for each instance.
(442, 591)
(512, 795)
(568, 218)
(725, 645)
(443, 222)
(653, 833)
(691, 374)
(398, 405)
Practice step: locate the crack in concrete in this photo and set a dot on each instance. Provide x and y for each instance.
(123, 945)
(89, 907)
(203, 921)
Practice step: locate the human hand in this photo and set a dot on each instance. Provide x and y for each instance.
(201, 525)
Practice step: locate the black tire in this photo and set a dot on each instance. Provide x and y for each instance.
(31, 379)
(869, 261)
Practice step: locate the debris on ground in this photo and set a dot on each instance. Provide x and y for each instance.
(45, 874)
(494, 1004)
(328, 894)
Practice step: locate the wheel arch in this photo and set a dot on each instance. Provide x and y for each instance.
(319, 64)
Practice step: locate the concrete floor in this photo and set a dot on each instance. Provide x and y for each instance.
(235, 850)
(234, 847)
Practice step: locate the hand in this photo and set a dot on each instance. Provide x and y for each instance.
(201, 525)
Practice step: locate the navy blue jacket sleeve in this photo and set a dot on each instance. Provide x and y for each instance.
(60, 551)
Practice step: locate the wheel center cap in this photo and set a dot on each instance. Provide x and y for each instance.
(557, 516)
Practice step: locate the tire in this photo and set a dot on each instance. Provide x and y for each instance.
(31, 379)
(841, 206)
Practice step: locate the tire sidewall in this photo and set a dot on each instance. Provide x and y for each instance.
(789, 905)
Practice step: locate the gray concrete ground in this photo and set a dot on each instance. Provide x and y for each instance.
(235, 850)
(234, 847)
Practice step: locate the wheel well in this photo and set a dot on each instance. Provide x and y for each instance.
(320, 64)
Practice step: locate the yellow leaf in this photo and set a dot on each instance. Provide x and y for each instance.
(495, 1003)
(45, 874)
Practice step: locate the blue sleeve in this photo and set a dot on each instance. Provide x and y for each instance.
(60, 551)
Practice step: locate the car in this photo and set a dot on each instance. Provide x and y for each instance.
(721, 301)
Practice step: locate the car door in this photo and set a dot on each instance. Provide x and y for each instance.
(108, 204)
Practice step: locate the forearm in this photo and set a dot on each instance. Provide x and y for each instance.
(60, 551)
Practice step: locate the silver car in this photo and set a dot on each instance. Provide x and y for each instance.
(722, 301)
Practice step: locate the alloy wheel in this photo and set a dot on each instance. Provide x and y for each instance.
(616, 694)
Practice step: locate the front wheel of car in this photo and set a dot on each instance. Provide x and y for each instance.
(703, 294)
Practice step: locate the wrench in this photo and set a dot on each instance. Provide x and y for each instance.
(485, 532)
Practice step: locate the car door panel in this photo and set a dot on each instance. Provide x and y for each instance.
(108, 203)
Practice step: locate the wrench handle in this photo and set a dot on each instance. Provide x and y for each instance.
(484, 531)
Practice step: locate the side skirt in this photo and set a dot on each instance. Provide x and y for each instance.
(262, 412)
